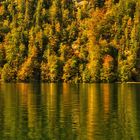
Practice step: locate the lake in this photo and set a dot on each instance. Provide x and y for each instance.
(69, 111)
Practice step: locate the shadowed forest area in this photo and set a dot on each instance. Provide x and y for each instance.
(69, 40)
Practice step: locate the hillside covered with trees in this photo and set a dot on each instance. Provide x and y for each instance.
(70, 40)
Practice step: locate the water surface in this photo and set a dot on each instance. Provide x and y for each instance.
(69, 112)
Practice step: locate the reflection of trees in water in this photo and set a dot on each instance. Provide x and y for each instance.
(94, 111)
(60, 111)
(127, 111)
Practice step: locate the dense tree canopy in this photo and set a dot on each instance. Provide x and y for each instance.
(70, 40)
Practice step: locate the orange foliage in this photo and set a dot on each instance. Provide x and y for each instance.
(107, 61)
(1, 9)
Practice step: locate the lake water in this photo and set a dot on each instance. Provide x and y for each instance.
(69, 112)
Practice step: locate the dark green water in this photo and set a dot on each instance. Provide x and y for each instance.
(69, 112)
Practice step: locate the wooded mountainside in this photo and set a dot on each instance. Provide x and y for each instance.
(69, 40)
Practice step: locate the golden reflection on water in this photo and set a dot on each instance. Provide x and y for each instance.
(67, 111)
(106, 99)
(92, 110)
(127, 110)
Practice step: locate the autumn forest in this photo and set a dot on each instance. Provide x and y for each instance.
(70, 40)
